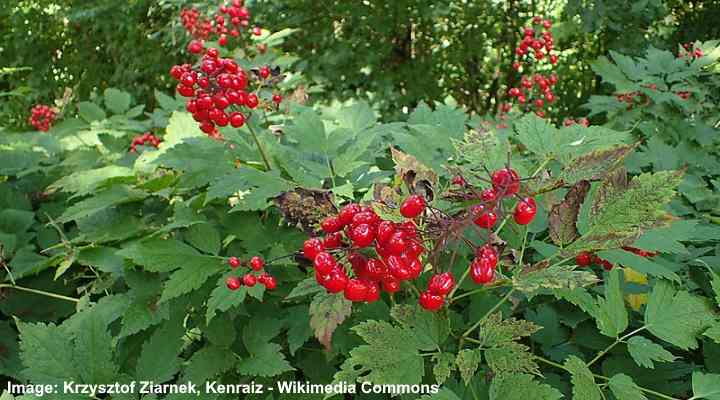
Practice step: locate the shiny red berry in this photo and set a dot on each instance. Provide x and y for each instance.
(525, 211)
(249, 280)
(347, 213)
(441, 284)
(355, 290)
(257, 263)
(412, 206)
(506, 181)
(362, 235)
(373, 292)
(431, 302)
(324, 263)
(390, 284)
(234, 262)
(583, 259)
(336, 281)
(331, 224)
(481, 273)
(268, 281)
(312, 247)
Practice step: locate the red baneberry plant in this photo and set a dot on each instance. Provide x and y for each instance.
(42, 117)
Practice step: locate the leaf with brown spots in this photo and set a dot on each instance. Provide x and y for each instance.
(327, 312)
(305, 207)
(595, 165)
(415, 174)
(564, 215)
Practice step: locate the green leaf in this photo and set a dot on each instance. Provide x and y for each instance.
(391, 355)
(624, 388)
(158, 360)
(714, 332)
(668, 239)
(249, 187)
(467, 362)
(584, 386)
(622, 211)
(45, 351)
(327, 311)
(496, 331)
(612, 74)
(117, 101)
(166, 102)
(159, 255)
(521, 387)
(207, 363)
(715, 283)
(645, 351)
(88, 181)
(299, 329)
(431, 329)
(610, 313)
(677, 316)
(706, 386)
(90, 111)
(204, 237)
(190, 278)
(266, 358)
(443, 367)
(94, 349)
(305, 287)
(443, 394)
(638, 263)
(595, 165)
(554, 277)
(116, 195)
(511, 358)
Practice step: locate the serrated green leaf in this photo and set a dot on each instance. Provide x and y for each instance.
(222, 299)
(511, 358)
(305, 287)
(496, 331)
(390, 356)
(677, 316)
(117, 101)
(90, 111)
(327, 311)
(266, 359)
(638, 263)
(430, 329)
(160, 255)
(552, 278)
(668, 239)
(584, 386)
(714, 332)
(159, 359)
(645, 351)
(610, 313)
(611, 74)
(623, 212)
(521, 387)
(467, 362)
(45, 351)
(115, 195)
(94, 349)
(204, 237)
(706, 386)
(249, 187)
(624, 388)
(299, 329)
(207, 363)
(595, 165)
(190, 278)
(444, 365)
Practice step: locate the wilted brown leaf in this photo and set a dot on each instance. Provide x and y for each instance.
(305, 207)
(564, 215)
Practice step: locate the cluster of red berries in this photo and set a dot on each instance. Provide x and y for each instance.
(42, 117)
(580, 121)
(586, 258)
(249, 279)
(217, 91)
(228, 21)
(535, 92)
(397, 248)
(146, 139)
(439, 286)
(690, 52)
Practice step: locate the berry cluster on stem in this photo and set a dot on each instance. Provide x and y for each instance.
(146, 139)
(42, 117)
(250, 279)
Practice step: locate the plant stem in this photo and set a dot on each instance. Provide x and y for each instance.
(40, 292)
(617, 341)
(457, 286)
(259, 146)
(540, 168)
(490, 311)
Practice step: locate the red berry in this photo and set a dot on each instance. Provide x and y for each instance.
(398, 268)
(234, 262)
(333, 240)
(347, 213)
(252, 100)
(373, 292)
(390, 284)
(362, 235)
(484, 219)
(249, 280)
(237, 120)
(514, 92)
(277, 99)
(412, 206)
(312, 247)
(268, 281)
(385, 231)
(375, 269)
(458, 180)
(324, 263)
(481, 273)
(233, 283)
(331, 224)
(356, 290)
(257, 263)
(506, 181)
(583, 259)
(257, 31)
(336, 281)
(441, 284)
(488, 195)
(431, 302)
(396, 244)
(525, 211)
(264, 71)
